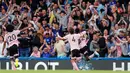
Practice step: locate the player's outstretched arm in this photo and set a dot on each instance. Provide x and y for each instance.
(25, 28)
(61, 38)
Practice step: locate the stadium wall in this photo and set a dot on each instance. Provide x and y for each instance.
(114, 64)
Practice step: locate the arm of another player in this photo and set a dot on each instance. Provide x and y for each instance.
(29, 26)
(61, 38)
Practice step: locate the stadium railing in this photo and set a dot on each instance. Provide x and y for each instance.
(32, 58)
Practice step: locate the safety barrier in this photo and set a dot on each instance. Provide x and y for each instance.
(30, 63)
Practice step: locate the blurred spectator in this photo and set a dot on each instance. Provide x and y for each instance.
(1, 46)
(24, 45)
(45, 24)
(56, 29)
(94, 46)
(105, 35)
(35, 52)
(47, 38)
(103, 47)
(34, 4)
(35, 40)
(118, 47)
(59, 47)
(45, 50)
(74, 3)
(42, 4)
(111, 46)
(48, 17)
(63, 19)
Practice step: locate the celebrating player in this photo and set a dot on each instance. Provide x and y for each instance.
(11, 39)
(73, 39)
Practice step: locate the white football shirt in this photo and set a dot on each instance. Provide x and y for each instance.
(11, 38)
(73, 40)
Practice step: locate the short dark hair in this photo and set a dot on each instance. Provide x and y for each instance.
(56, 23)
(9, 28)
(26, 9)
(47, 33)
(16, 12)
(77, 30)
(47, 26)
(121, 31)
(71, 30)
(62, 12)
(102, 10)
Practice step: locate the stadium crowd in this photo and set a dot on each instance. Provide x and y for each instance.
(107, 23)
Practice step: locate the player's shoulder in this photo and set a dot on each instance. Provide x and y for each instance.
(83, 32)
(7, 33)
(68, 35)
(16, 31)
(77, 34)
